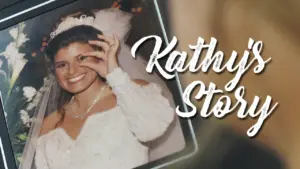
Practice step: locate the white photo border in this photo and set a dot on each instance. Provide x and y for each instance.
(1, 144)
(180, 92)
(3, 154)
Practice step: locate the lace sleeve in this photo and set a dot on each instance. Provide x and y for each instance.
(148, 112)
(40, 158)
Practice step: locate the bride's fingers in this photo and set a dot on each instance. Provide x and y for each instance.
(116, 41)
(101, 44)
(107, 39)
(97, 54)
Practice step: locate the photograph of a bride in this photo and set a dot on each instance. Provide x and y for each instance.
(88, 103)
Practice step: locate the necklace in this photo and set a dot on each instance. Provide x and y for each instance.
(91, 106)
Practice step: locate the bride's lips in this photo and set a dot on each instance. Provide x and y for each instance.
(76, 79)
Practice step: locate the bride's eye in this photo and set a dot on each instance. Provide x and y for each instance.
(83, 58)
(61, 65)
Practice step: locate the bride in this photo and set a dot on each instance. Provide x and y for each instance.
(104, 118)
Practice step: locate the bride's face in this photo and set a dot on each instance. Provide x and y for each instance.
(70, 75)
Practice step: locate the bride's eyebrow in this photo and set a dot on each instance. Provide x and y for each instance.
(62, 61)
(59, 62)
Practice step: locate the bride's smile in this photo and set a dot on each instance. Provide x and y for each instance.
(77, 78)
(70, 75)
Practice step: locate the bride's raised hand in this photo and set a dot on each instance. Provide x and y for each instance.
(107, 59)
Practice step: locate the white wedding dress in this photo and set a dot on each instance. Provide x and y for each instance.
(112, 139)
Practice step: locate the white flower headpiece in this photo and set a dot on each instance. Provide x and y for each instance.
(108, 21)
(71, 22)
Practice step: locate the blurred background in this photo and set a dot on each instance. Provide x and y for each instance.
(233, 22)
